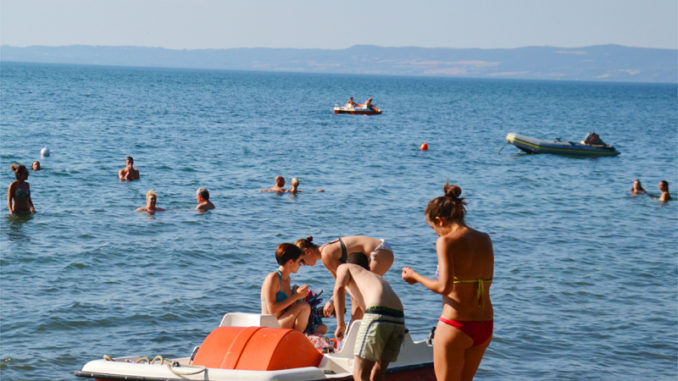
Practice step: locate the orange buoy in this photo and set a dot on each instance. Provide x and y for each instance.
(423, 147)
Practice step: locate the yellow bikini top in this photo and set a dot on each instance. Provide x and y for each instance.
(480, 290)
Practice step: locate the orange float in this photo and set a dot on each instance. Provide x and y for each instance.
(423, 147)
(256, 348)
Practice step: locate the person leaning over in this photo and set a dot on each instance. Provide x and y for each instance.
(382, 329)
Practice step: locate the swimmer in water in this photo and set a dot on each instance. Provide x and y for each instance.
(36, 166)
(664, 188)
(278, 187)
(636, 188)
(202, 196)
(19, 192)
(150, 207)
(295, 186)
(128, 173)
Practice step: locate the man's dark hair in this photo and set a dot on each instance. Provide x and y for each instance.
(359, 259)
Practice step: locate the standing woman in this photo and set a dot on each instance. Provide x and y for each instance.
(19, 192)
(465, 270)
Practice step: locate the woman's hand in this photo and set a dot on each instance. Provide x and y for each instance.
(409, 275)
(301, 292)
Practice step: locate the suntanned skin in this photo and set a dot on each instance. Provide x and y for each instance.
(295, 316)
(330, 255)
(367, 289)
(19, 205)
(203, 205)
(467, 254)
(128, 173)
(664, 188)
(278, 187)
(150, 206)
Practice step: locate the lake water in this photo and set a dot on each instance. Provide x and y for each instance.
(586, 283)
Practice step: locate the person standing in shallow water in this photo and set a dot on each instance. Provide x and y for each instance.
(19, 192)
(664, 188)
(128, 173)
(636, 188)
(150, 207)
(278, 187)
(202, 196)
(465, 271)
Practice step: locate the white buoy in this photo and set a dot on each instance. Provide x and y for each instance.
(44, 152)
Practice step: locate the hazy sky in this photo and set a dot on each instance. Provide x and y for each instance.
(197, 24)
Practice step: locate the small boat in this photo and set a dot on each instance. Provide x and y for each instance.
(358, 109)
(590, 146)
(252, 347)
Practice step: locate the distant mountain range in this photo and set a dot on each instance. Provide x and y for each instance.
(611, 63)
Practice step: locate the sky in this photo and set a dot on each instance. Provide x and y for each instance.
(223, 24)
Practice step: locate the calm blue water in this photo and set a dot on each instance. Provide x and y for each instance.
(586, 279)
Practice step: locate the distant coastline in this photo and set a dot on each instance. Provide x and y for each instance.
(608, 63)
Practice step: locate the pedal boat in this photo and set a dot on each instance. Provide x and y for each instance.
(558, 147)
(358, 109)
(253, 347)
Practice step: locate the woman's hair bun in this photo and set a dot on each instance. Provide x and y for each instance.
(309, 238)
(452, 191)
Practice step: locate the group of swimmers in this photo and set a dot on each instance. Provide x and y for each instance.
(19, 201)
(129, 173)
(637, 189)
(279, 186)
(358, 263)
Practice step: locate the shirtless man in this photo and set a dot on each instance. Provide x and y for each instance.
(202, 196)
(382, 329)
(278, 187)
(129, 173)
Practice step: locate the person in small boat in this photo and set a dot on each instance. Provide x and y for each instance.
(19, 200)
(332, 254)
(202, 196)
(277, 296)
(664, 188)
(350, 102)
(35, 166)
(465, 271)
(128, 173)
(278, 187)
(382, 330)
(368, 104)
(637, 188)
(593, 139)
(150, 207)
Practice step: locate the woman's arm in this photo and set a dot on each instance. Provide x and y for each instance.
(443, 284)
(10, 195)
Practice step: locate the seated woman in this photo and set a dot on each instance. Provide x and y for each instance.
(277, 297)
